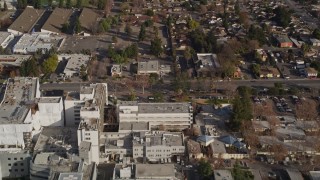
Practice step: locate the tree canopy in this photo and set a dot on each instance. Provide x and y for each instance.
(142, 33)
(29, 68)
(241, 174)
(202, 42)
(316, 33)
(156, 47)
(282, 16)
(50, 64)
(205, 168)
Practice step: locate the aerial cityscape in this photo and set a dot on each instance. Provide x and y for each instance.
(159, 89)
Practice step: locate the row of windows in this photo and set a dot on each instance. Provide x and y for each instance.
(21, 158)
(16, 170)
(15, 164)
(159, 150)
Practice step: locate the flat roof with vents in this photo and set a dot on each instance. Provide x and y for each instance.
(28, 18)
(57, 18)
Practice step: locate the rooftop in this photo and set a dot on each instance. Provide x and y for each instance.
(86, 90)
(75, 61)
(133, 126)
(13, 60)
(158, 138)
(157, 107)
(148, 66)
(57, 18)
(88, 19)
(89, 124)
(25, 22)
(193, 147)
(4, 41)
(20, 92)
(218, 147)
(70, 176)
(207, 60)
(154, 170)
(33, 42)
(52, 137)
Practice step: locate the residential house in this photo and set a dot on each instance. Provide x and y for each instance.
(116, 70)
(206, 64)
(283, 41)
(269, 72)
(311, 72)
(56, 20)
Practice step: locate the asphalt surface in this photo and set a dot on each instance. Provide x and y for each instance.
(312, 83)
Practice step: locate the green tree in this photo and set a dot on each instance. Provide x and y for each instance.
(5, 6)
(37, 4)
(101, 4)
(61, 2)
(77, 26)
(128, 29)
(68, 4)
(193, 24)
(242, 110)
(241, 174)
(316, 33)
(50, 3)
(256, 69)
(29, 68)
(50, 64)
(158, 97)
(282, 16)
(142, 33)
(237, 7)
(79, 4)
(205, 169)
(65, 27)
(156, 47)
(149, 12)
(131, 51)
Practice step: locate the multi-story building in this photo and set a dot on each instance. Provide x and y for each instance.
(88, 103)
(157, 145)
(14, 165)
(151, 146)
(24, 112)
(74, 63)
(51, 166)
(148, 116)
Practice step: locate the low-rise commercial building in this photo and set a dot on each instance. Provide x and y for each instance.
(75, 64)
(56, 20)
(10, 63)
(26, 21)
(206, 64)
(30, 43)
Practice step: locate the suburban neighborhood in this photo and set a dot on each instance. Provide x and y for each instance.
(192, 90)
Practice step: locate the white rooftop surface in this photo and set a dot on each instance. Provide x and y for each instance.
(34, 41)
(162, 139)
(70, 176)
(222, 175)
(218, 147)
(314, 175)
(75, 61)
(13, 60)
(208, 59)
(4, 40)
(158, 107)
(19, 91)
(144, 66)
(154, 170)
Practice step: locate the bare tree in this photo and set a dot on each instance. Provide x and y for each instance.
(143, 81)
(307, 110)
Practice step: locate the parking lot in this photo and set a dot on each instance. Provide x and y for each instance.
(76, 44)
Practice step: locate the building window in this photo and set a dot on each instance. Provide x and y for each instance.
(9, 170)
(22, 170)
(9, 164)
(21, 164)
(16, 170)
(15, 158)
(21, 158)
(15, 164)
(87, 134)
(87, 138)
(9, 159)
